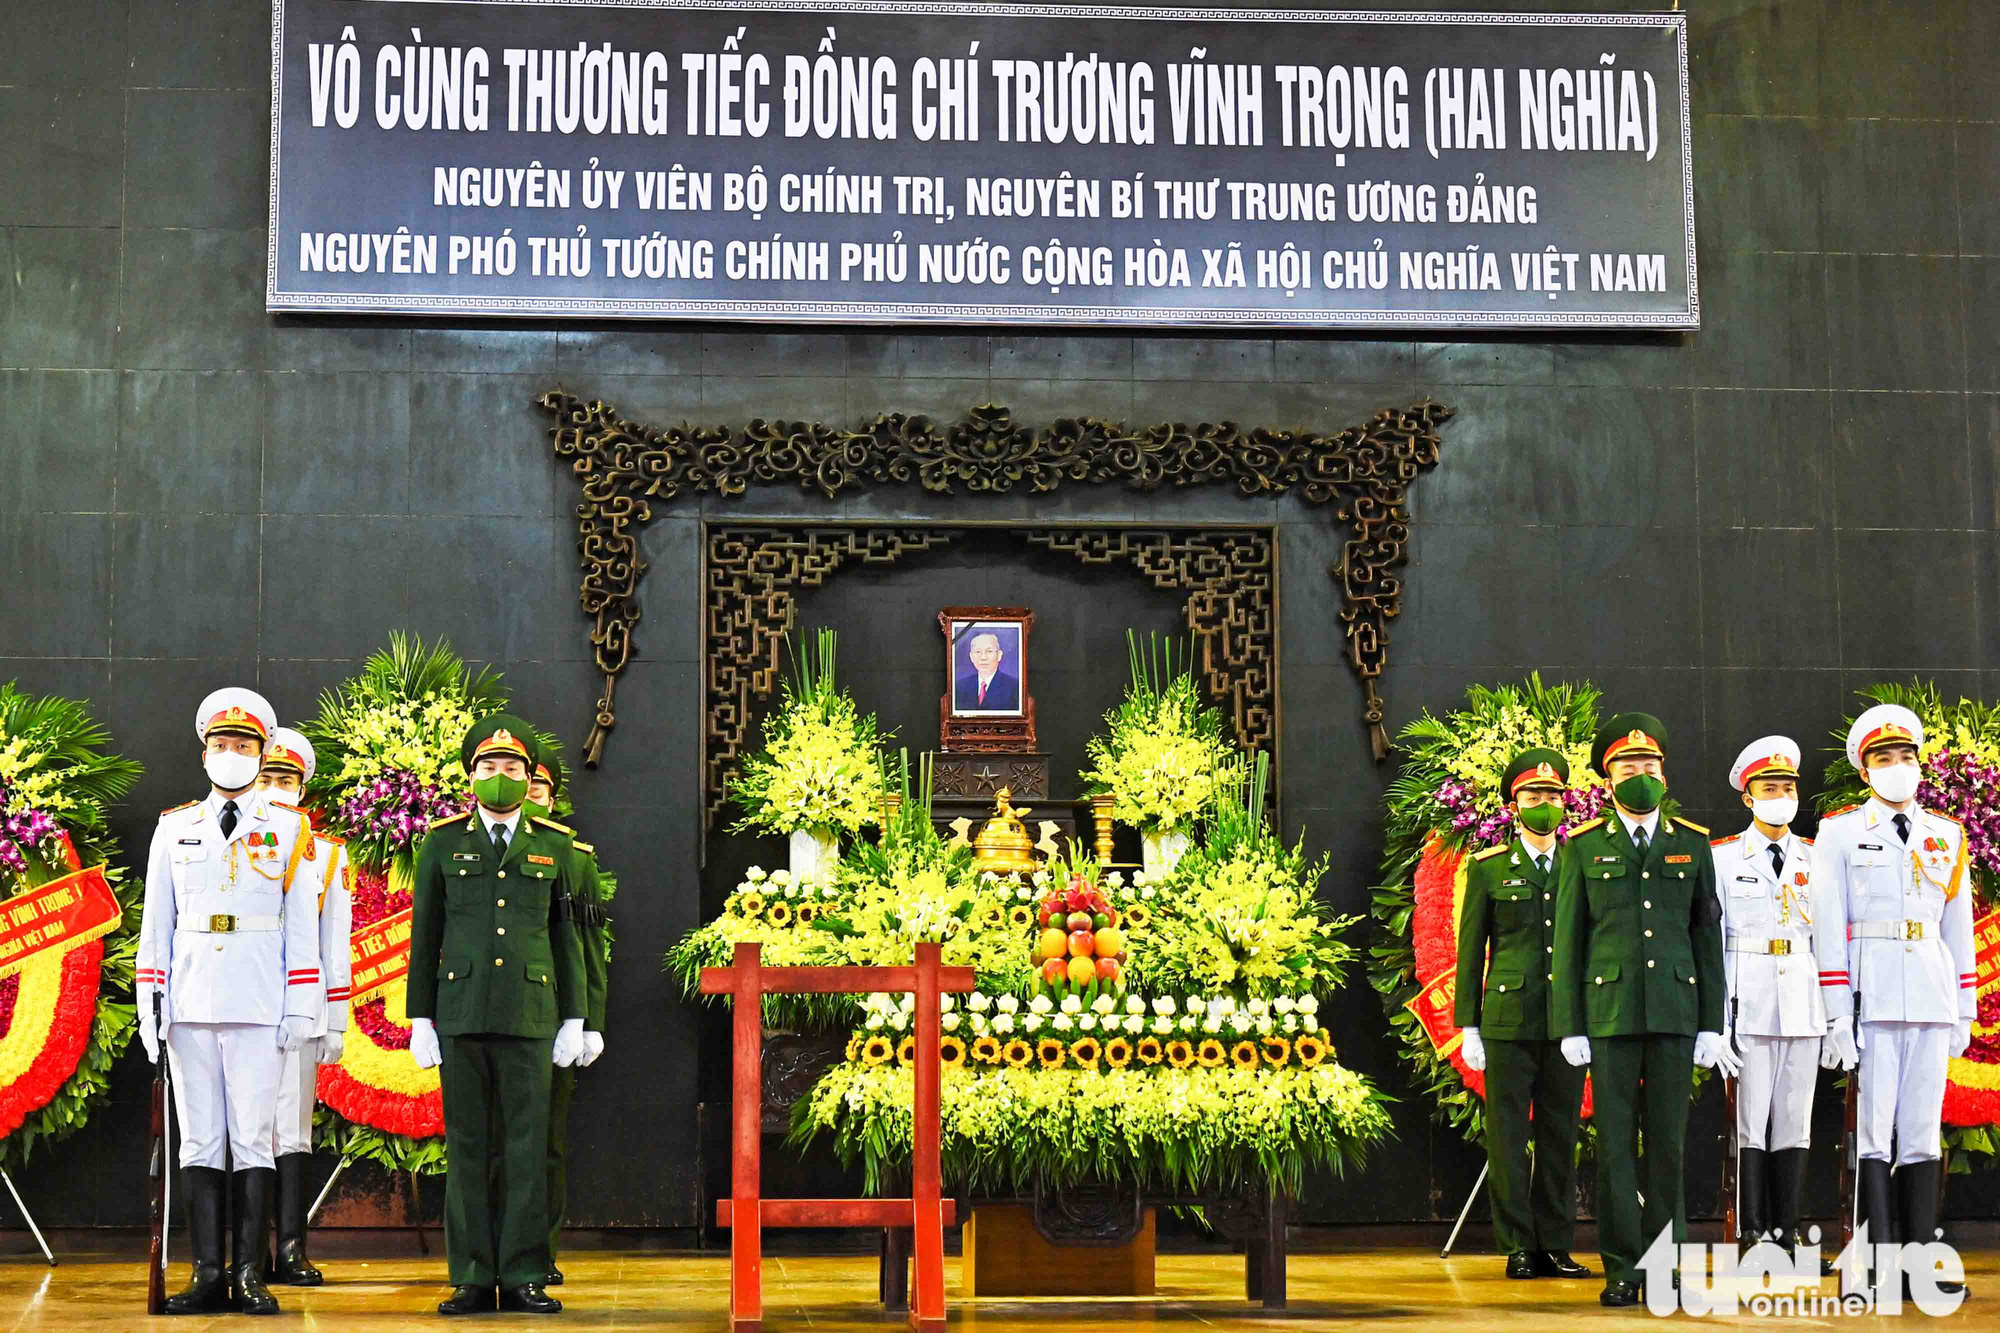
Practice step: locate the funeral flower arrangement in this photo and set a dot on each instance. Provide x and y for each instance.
(1162, 758)
(1444, 805)
(1960, 758)
(820, 768)
(386, 743)
(1200, 1062)
(65, 1007)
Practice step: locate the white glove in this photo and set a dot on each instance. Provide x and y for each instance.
(1711, 1051)
(149, 1038)
(569, 1042)
(1576, 1050)
(593, 1046)
(1474, 1050)
(1961, 1037)
(331, 1045)
(294, 1030)
(424, 1048)
(1836, 1048)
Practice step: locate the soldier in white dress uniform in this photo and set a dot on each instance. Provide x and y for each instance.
(233, 956)
(1893, 929)
(1776, 1012)
(288, 766)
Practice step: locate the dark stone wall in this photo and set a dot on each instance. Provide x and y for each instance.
(1733, 529)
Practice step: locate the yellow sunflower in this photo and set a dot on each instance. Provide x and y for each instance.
(854, 1048)
(1118, 1052)
(1021, 917)
(1277, 1050)
(751, 904)
(1310, 1050)
(1179, 1054)
(1050, 1052)
(1150, 1052)
(906, 1051)
(805, 914)
(1018, 1053)
(1138, 914)
(779, 915)
(877, 1051)
(1244, 1054)
(1085, 1052)
(951, 1051)
(986, 1050)
(1211, 1054)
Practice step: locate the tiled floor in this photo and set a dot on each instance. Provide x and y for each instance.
(1383, 1289)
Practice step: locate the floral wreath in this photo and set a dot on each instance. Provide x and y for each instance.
(1444, 806)
(1961, 778)
(60, 1025)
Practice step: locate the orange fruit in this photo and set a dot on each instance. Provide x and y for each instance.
(1052, 944)
(1082, 971)
(1109, 942)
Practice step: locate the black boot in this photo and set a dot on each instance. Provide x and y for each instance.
(293, 1268)
(1878, 1210)
(1917, 1202)
(252, 1197)
(207, 1290)
(1751, 1219)
(1788, 1174)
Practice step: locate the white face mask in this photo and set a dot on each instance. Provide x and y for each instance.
(1777, 811)
(1896, 783)
(231, 771)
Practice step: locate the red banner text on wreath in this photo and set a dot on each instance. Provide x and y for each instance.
(1972, 1090)
(381, 954)
(68, 912)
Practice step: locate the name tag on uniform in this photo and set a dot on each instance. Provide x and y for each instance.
(1677, 860)
(1600, 860)
(190, 842)
(1746, 879)
(1868, 846)
(1512, 883)
(540, 860)
(465, 856)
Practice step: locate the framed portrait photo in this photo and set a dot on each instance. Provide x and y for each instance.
(986, 704)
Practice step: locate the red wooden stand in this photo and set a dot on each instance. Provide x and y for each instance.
(746, 1212)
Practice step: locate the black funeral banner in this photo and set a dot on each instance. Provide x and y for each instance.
(853, 161)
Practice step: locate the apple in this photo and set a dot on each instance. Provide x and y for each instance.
(1082, 943)
(1108, 942)
(1082, 971)
(1107, 969)
(1055, 970)
(1080, 921)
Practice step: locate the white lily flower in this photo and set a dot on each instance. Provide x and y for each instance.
(977, 1022)
(875, 1020)
(1213, 1023)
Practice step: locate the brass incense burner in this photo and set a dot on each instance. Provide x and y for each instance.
(1003, 846)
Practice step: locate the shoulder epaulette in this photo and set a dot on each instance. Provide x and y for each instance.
(1724, 842)
(1585, 828)
(1691, 826)
(1806, 841)
(1949, 819)
(1843, 810)
(550, 823)
(293, 808)
(1490, 851)
(175, 809)
(330, 838)
(451, 819)
(585, 848)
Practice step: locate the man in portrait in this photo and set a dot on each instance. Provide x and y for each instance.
(989, 686)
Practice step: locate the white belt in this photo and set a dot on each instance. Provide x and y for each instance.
(222, 923)
(1776, 948)
(1890, 930)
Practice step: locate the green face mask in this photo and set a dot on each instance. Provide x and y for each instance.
(535, 809)
(1641, 793)
(1541, 820)
(500, 792)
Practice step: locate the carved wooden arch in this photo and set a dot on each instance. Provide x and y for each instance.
(624, 466)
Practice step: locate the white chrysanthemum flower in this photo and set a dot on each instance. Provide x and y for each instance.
(1024, 895)
(1147, 893)
(977, 1022)
(1116, 879)
(1227, 1004)
(1195, 1006)
(1213, 1023)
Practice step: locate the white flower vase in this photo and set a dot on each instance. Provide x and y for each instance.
(814, 853)
(1161, 852)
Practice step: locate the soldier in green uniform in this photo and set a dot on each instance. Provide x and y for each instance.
(590, 921)
(1502, 1008)
(1638, 990)
(496, 975)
